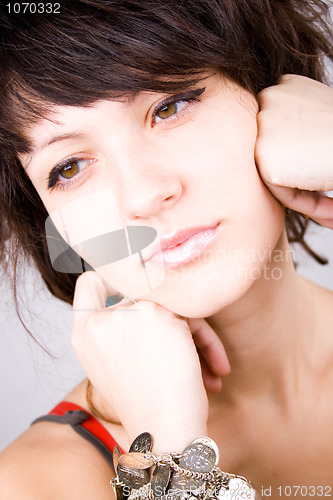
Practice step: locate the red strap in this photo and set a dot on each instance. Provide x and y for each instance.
(91, 424)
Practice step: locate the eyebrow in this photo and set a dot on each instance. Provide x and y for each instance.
(57, 138)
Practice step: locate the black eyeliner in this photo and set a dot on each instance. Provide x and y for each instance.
(191, 94)
(53, 175)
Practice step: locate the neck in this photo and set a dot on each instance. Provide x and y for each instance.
(266, 329)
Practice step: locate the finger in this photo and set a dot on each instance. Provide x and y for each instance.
(90, 296)
(324, 222)
(212, 382)
(209, 346)
(313, 204)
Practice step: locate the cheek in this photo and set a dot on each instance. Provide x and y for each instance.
(92, 226)
(221, 168)
(230, 174)
(224, 145)
(87, 217)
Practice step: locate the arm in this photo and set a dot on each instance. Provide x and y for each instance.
(49, 462)
(294, 149)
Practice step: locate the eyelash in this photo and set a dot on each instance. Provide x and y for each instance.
(191, 97)
(55, 172)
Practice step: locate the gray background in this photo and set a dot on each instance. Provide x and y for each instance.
(31, 382)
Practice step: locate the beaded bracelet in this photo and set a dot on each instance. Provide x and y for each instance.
(192, 474)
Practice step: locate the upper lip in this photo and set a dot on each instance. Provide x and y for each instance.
(178, 237)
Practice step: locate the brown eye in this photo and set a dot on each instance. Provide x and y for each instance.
(174, 107)
(166, 111)
(69, 170)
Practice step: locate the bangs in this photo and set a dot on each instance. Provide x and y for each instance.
(113, 49)
(105, 52)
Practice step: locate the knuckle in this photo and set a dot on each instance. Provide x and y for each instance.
(94, 323)
(267, 93)
(289, 76)
(148, 306)
(83, 278)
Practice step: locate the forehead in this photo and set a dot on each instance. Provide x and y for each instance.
(60, 116)
(59, 119)
(70, 122)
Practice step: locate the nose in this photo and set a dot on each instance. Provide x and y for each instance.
(148, 185)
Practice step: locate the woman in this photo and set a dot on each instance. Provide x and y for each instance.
(145, 114)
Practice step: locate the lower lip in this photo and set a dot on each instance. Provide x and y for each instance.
(187, 251)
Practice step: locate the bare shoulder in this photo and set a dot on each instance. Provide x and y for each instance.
(50, 461)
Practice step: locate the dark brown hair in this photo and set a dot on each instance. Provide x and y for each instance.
(99, 49)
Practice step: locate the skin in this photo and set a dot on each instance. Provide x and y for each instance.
(272, 418)
(297, 175)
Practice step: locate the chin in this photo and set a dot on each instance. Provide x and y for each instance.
(200, 301)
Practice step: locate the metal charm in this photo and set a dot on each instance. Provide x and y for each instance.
(172, 496)
(115, 456)
(209, 442)
(133, 478)
(198, 457)
(136, 460)
(142, 443)
(181, 482)
(238, 489)
(160, 479)
(119, 492)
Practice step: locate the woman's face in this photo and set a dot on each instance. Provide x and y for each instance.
(183, 165)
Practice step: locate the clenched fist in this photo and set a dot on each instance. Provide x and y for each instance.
(143, 360)
(294, 148)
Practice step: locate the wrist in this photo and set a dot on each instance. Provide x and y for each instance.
(170, 436)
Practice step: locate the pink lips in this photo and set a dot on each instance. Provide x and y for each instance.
(184, 246)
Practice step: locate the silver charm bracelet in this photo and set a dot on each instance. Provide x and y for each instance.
(192, 474)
